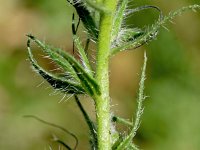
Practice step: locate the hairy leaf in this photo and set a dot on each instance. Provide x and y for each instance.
(128, 140)
(56, 82)
(61, 62)
(130, 34)
(83, 55)
(151, 32)
(87, 81)
(118, 20)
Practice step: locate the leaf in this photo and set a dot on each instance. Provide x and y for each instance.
(133, 147)
(127, 35)
(90, 123)
(130, 34)
(137, 9)
(56, 82)
(58, 127)
(82, 51)
(128, 140)
(116, 144)
(83, 55)
(86, 18)
(118, 20)
(87, 81)
(151, 32)
(63, 63)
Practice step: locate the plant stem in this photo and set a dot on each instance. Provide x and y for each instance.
(102, 76)
(122, 120)
(89, 122)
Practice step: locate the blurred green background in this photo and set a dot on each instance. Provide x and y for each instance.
(170, 120)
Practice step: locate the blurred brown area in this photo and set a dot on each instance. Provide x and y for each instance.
(170, 119)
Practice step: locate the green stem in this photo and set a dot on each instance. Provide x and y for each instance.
(89, 122)
(122, 121)
(102, 76)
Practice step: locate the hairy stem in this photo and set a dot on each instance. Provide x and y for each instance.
(103, 100)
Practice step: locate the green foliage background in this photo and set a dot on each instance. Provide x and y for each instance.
(170, 119)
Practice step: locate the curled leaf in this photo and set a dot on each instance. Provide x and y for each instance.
(151, 32)
(58, 127)
(56, 82)
(86, 81)
(145, 7)
(129, 35)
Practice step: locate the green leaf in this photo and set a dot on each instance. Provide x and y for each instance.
(116, 144)
(87, 81)
(90, 123)
(86, 18)
(151, 32)
(132, 147)
(118, 20)
(63, 63)
(67, 86)
(125, 35)
(128, 140)
(83, 55)
(137, 9)
(125, 143)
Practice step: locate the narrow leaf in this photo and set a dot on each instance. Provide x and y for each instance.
(57, 58)
(89, 122)
(133, 147)
(88, 82)
(58, 127)
(83, 55)
(131, 11)
(151, 32)
(117, 143)
(118, 20)
(128, 140)
(86, 18)
(130, 34)
(63, 143)
(56, 82)
(127, 35)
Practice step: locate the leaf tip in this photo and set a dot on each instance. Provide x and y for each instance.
(29, 35)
